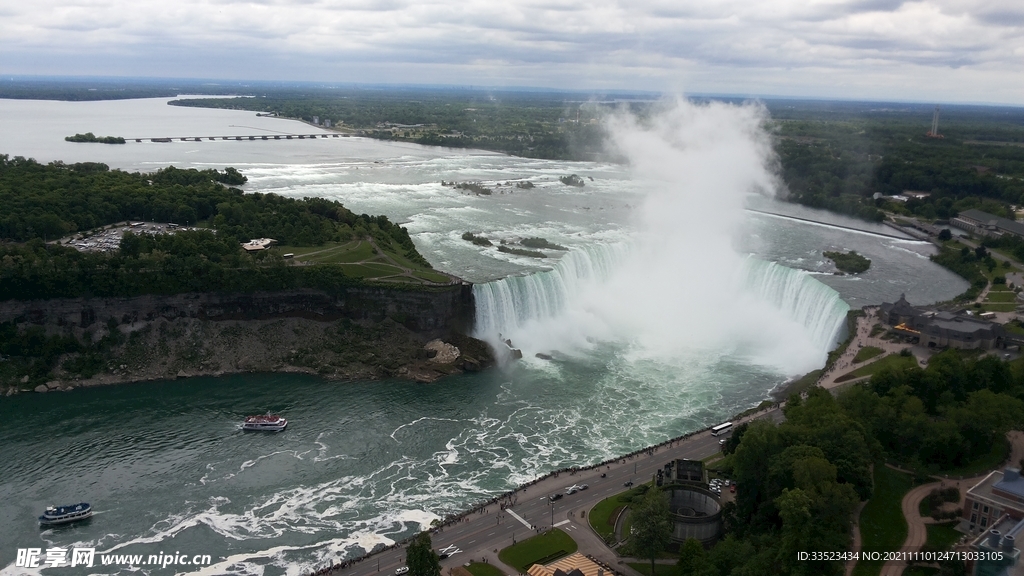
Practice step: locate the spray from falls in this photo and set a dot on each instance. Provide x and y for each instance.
(679, 286)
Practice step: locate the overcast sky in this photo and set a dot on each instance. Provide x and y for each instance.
(931, 51)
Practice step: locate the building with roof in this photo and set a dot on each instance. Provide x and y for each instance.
(1000, 493)
(985, 224)
(258, 244)
(575, 564)
(994, 513)
(941, 329)
(1000, 555)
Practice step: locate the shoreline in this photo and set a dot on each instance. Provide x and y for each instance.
(509, 498)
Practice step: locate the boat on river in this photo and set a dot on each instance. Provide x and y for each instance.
(264, 423)
(55, 515)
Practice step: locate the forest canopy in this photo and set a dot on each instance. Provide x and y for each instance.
(44, 203)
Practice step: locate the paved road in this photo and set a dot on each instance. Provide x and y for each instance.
(480, 535)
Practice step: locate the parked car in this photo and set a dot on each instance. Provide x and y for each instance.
(583, 486)
(628, 483)
(402, 570)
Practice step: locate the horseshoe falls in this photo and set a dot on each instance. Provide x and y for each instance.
(773, 315)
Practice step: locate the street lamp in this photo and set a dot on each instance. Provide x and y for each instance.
(552, 515)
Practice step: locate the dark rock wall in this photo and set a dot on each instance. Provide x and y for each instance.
(428, 311)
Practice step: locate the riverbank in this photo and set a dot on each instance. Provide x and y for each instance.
(184, 348)
(363, 333)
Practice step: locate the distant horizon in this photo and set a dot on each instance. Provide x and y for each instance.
(241, 85)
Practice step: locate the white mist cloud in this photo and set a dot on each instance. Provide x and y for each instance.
(681, 287)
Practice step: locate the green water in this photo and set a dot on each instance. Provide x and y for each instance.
(168, 469)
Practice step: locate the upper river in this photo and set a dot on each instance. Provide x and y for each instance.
(168, 470)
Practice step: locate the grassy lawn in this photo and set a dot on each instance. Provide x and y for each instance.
(942, 536)
(891, 361)
(997, 455)
(924, 508)
(867, 353)
(1013, 327)
(882, 525)
(803, 383)
(432, 277)
(660, 569)
(540, 549)
(602, 516)
(999, 306)
(1000, 288)
(481, 569)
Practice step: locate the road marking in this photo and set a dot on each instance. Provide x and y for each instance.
(518, 517)
(491, 534)
(562, 523)
(471, 541)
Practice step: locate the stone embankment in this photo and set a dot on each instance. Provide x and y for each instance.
(358, 333)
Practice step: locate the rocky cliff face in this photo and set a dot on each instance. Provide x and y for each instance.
(360, 333)
(427, 311)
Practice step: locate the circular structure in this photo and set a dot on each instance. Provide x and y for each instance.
(696, 513)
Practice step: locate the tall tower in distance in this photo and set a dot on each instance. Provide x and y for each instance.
(935, 125)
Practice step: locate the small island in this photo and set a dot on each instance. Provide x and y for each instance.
(850, 262)
(541, 243)
(90, 137)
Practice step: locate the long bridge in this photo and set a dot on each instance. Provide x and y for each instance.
(240, 138)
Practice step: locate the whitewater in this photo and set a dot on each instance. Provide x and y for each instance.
(672, 309)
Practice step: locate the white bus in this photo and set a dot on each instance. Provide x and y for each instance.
(721, 429)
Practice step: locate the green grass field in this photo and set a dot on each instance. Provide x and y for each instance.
(359, 259)
(882, 525)
(999, 306)
(603, 514)
(481, 569)
(867, 353)
(892, 361)
(542, 548)
(942, 536)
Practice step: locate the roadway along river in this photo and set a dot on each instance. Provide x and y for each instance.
(488, 529)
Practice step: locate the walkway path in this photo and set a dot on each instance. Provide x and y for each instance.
(862, 338)
(917, 527)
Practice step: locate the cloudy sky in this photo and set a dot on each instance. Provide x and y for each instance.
(930, 51)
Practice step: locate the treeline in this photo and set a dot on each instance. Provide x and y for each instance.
(943, 416)
(967, 264)
(46, 202)
(90, 137)
(187, 261)
(841, 165)
(522, 124)
(798, 482)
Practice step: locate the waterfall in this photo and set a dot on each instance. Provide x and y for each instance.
(799, 296)
(505, 305)
(764, 306)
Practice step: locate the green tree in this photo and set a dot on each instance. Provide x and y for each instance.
(652, 527)
(693, 560)
(421, 558)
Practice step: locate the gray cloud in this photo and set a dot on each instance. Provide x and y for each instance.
(794, 47)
